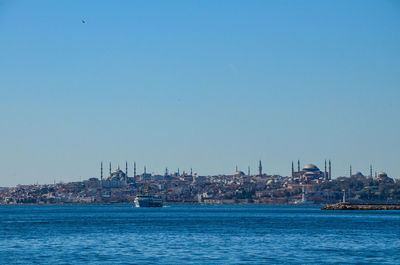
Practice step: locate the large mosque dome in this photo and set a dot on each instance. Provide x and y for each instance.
(118, 174)
(358, 174)
(309, 174)
(382, 175)
(239, 173)
(310, 168)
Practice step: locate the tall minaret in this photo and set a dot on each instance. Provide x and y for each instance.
(298, 165)
(236, 169)
(134, 169)
(166, 171)
(370, 171)
(191, 172)
(101, 172)
(178, 171)
(260, 168)
(292, 170)
(325, 173)
(110, 168)
(330, 170)
(248, 171)
(126, 172)
(351, 171)
(142, 177)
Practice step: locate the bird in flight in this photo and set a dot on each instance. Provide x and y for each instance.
(83, 21)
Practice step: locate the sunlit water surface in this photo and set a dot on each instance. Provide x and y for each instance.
(197, 235)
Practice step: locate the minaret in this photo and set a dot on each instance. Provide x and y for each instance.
(126, 172)
(351, 172)
(236, 169)
(101, 172)
(191, 172)
(134, 169)
(292, 170)
(110, 168)
(145, 171)
(248, 171)
(325, 173)
(166, 171)
(298, 166)
(178, 171)
(370, 171)
(260, 168)
(330, 170)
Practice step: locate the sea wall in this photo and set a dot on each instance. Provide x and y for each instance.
(351, 206)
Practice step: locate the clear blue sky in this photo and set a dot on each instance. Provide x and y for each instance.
(202, 84)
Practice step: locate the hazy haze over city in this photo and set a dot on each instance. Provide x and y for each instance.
(201, 84)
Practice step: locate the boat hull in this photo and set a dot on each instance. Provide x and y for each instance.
(148, 202)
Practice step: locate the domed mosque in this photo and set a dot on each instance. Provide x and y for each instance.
(311, 168)
(358, 174)
(311, 172)
(383, 177)
(239, 173)
(116, 179)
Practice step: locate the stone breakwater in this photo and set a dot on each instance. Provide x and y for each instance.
(354, 206)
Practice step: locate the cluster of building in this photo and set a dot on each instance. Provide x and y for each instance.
(186, 187)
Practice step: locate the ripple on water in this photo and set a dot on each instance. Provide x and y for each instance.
(196, 235)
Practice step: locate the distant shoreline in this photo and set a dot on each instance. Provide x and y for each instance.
(335, 206)
(166, 204)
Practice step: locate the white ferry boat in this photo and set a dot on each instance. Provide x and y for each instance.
(147, 201)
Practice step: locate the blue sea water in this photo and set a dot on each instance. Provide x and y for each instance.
(197, 235)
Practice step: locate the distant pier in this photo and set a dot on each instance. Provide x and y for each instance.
(358, 206)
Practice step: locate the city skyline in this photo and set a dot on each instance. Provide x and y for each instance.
(167, 170)
(119, 186)
(108, 167)
(197, 84)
